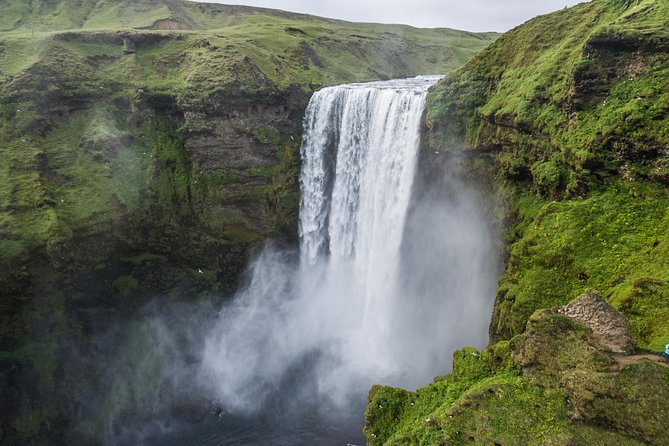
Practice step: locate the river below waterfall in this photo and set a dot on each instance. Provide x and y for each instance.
(391, 275)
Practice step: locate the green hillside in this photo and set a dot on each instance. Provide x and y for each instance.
(567, 117)
(70, 100)
(576, 106)
(26, 16)
(65, 91)
(282, 45)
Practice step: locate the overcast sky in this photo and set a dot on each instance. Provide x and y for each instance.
(469, 15)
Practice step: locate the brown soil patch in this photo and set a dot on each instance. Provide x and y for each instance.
(623, 360)
(170, 24)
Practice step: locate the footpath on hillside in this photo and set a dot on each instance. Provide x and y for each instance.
(621, 360)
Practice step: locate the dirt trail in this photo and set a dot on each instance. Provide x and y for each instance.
(610, 328)
(621, 360)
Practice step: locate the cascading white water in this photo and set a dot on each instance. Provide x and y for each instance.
(342, 316)
(359, 155)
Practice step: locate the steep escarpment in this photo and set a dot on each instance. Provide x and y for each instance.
(566, 117)
(573, 108)
(148, 148)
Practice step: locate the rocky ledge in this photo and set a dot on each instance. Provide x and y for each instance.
(560, 382)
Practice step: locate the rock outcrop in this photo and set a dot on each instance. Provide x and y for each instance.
(608, 326)
(553, 384)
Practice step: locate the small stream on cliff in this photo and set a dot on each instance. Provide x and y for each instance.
(392, 274)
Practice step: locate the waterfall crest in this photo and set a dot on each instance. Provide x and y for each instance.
(340, 315)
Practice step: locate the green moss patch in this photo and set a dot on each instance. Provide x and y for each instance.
(551, 385)
(614, 241)
(634, 401)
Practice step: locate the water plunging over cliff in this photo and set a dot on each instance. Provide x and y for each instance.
(359, 153)
(371, 296)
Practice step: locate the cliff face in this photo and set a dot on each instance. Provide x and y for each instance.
(567, 118)
(148, 149)
(573, 108)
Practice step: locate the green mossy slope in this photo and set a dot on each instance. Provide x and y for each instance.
(573, 111)
(551, 385)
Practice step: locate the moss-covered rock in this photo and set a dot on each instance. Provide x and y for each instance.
(608, 326)
(555, 344)
(396, 416)
(633, 401)
(554, 384)
(559, 352)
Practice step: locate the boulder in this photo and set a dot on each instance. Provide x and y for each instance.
(608, 326)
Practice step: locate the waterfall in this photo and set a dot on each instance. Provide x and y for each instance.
(359, 152)
(348, 310)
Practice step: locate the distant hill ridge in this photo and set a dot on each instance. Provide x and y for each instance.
(49, 15)
(52, 15)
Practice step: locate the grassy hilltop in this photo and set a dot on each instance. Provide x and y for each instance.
(286, 48)
(568, 117)
(147, 148)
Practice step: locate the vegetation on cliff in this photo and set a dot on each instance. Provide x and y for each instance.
(554, 384)
(104, 124)
(573, 107)
(568, 115)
